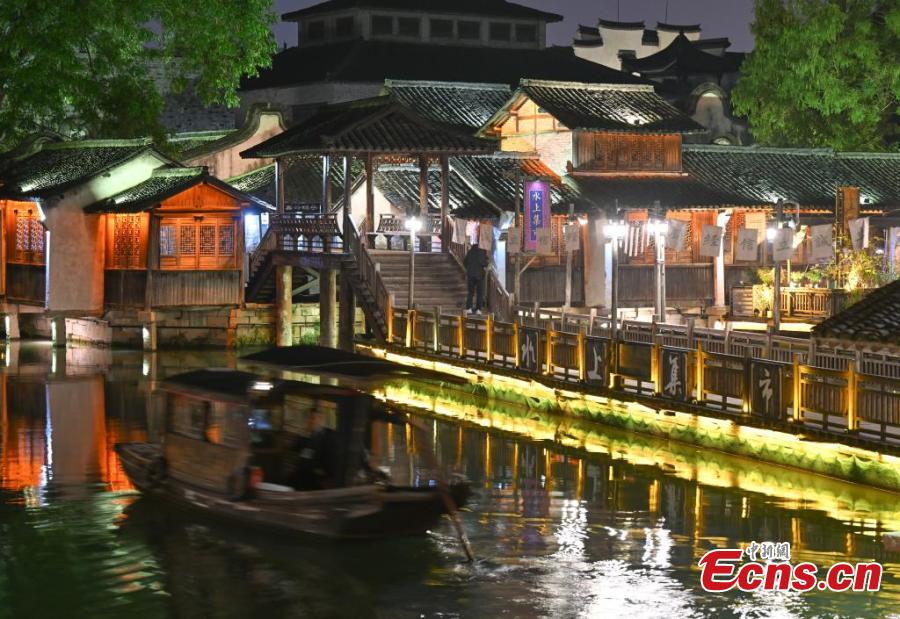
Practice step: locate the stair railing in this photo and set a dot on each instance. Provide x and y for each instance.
(259, 253)
(498, 298)
(370, 273)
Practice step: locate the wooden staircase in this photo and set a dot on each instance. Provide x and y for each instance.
(440, 281)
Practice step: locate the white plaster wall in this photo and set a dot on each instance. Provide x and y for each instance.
(76, 252)
(227, 163)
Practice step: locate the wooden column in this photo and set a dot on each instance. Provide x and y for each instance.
(284, 306)
(446, 233)
(370, 192)
(348, 210)
(327, 307)
(326, 183)
(279, 186)
(423, 188)
(347, 315)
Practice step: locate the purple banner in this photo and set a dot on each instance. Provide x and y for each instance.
(537, 211)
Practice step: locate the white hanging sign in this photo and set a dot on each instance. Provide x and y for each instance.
(513, 240)
(675, 234)
(822, 242)
(783, 244)
(572, 236)
(711, 240)
(485, 236)
(544, 239)
(859, 232)
(747, 244)
(459, 231)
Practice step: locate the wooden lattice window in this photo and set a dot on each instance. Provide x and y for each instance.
(29, 240)
(202, 243)
(127, 242)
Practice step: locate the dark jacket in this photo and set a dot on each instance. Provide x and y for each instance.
(476, 262)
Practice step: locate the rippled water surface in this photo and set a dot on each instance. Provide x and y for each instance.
(568, 520)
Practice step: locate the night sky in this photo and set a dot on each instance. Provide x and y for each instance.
(719, 18)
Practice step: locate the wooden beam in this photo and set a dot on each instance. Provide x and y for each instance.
(326, 183)
(370, 192)
(445, 203)
(423, 186)
(348, 187)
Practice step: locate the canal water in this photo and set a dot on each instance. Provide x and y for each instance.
(568, 519)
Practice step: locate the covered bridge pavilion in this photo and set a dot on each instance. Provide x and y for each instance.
(374, 131)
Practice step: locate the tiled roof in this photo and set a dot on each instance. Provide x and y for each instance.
(491, 8)
(620, 25)
(163, 184)
(375, 61)
(498, 178)
(876, 174)
(302, 181)
(683, 56)
(604, 107)
(400, 186)
(57, 166)
(677, 27)
(642, 191)
(875, 318)
(184, 143)
(371, 126)
(752, 175)
(464, 105)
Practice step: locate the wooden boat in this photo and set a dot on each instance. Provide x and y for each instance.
(224, 446)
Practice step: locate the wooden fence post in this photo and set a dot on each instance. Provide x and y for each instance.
(549, 352)
(579, 351)
(852, 401)
(516, 342)
(436, 332)
(389, 314)
(410, 328)
(655, 367)
(489, 337)
(699, 370)
(798, 390)
(746, 389)
(461, 335)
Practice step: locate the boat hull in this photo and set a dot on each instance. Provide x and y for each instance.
(357, 512)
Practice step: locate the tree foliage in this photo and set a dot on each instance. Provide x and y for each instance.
(99, 68)
(823, 73)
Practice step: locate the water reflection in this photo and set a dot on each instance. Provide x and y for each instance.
(575, 521)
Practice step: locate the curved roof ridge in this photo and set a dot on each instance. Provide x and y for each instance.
(756, 149)
(678, 27)
(620, 25)
(445, 84)
(525, 82)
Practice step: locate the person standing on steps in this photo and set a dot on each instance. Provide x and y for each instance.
(476, 261)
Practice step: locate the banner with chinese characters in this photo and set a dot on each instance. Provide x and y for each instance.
(822, 242)
(544, 244)
(859, 232)
(674, 373)
(746, 245)
(676, 233)
(765, 389)
(537, 211)
(783, 244)
(596, 354)
(711, 241)
(529, 349)
(572, 236)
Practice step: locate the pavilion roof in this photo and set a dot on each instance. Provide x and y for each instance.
(487, 8)
(400, 186)
(875, 318)
(302, 181)
(379, 126)
(463, 105)
(48, 168)
(685, 56)
(627, 108)
(163, 184)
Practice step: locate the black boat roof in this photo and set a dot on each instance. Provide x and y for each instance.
(235, 383)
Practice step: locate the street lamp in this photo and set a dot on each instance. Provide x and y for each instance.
(658, 227)
(413, 224)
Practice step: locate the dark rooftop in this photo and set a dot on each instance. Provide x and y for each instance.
(684, 56)
(875, 318)
(467, 106)
(620, 25)
(492, 8)
(378, 125)
(163, 184)
(641, 191)
(677, 27)
(605, 107)
(302, 181)
(375, 61)
(58, 166)
(400, 186)
(876, 174)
